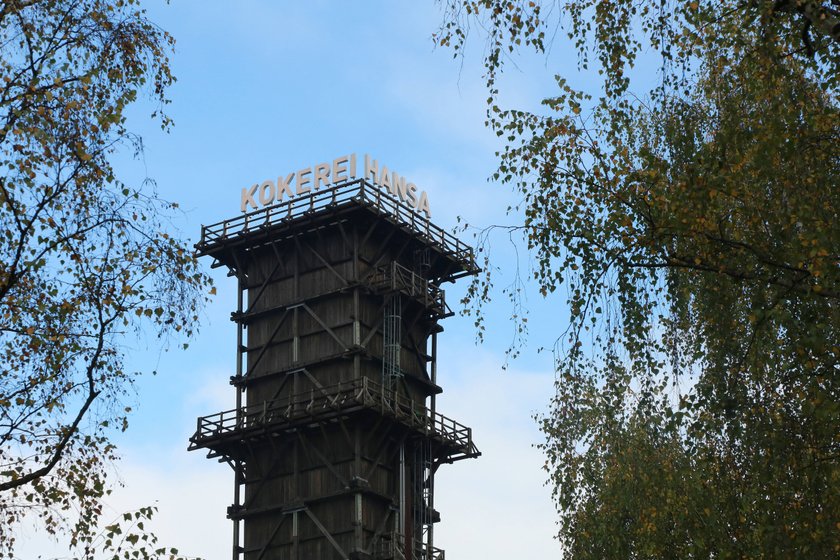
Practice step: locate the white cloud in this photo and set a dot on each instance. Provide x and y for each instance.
(191, 495)
(493, 507)
(496, 506)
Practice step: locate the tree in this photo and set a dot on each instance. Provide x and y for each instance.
(84, 258)
(697, 409)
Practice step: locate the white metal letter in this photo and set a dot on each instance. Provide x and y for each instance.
(339, 170)
(371, 170)
(267, 192)
(303, 180)
(411, 194)
(398, 187)
(423, 204)
(248, 198)
(386, 180)
(283, 186)
(322, 174)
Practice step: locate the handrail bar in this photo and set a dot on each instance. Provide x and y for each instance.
(395, 276)
(365, 392)
(355, 190)
(392, 546)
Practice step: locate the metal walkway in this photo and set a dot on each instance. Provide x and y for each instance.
(223, 428)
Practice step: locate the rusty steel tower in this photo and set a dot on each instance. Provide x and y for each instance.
(335, 438)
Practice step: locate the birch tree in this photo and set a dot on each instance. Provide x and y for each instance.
(85, 259)
(693, 223)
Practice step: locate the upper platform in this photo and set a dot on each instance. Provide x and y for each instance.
(353, 200)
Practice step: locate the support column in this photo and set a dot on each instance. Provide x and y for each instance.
(237, 465)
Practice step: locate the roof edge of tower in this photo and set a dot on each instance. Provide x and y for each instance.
(256, 228)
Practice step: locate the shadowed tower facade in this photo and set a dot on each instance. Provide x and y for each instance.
(335, 438)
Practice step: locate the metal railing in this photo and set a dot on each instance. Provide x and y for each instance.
(397, 277)
(357, 190)
(392, 547)
(360, 393)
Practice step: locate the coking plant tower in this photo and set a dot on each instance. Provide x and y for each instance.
(335, 438)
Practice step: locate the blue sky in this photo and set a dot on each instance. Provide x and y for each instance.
(266, 88)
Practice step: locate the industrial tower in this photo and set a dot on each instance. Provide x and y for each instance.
(335, 438)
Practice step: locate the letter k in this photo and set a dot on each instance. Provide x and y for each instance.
(248, 198)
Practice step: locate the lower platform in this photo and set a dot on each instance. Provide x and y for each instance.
(224, 432)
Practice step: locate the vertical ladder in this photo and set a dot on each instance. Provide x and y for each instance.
(391, 337)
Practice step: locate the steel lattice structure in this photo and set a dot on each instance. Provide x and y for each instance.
(335, 438)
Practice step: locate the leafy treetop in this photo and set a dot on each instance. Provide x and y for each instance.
(84, 258)
(694, 224)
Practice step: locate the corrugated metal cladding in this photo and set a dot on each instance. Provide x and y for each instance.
(335, 439)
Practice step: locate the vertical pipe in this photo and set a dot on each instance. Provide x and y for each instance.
(402, 489)
(357, 475)
(236, 483)
(239, 340)
(431, 506)
(295, 551)
(295, 337)
(431, 503)
(357, 359)
(237, 466)
(296, 497)
(358, 533)
(356, 255)
(357, 333)
(296, 282)
(434, 372)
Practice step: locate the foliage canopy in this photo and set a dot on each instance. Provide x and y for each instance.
(695, 223)
(84, 259)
